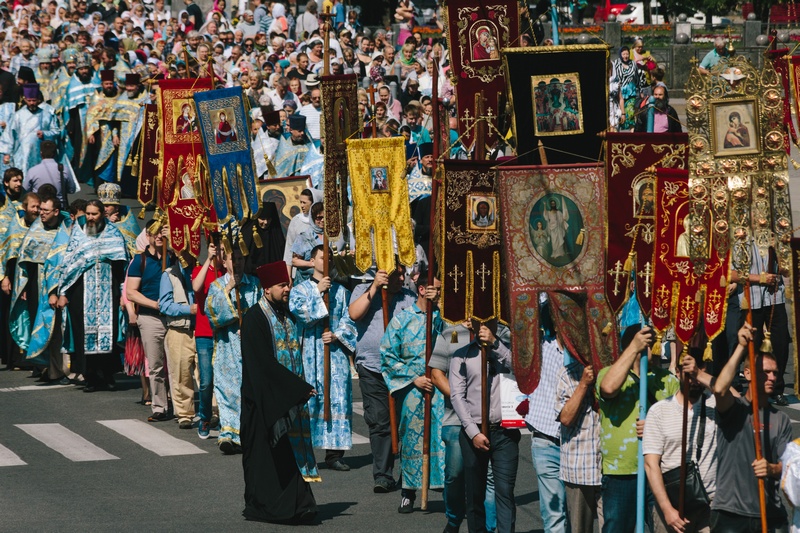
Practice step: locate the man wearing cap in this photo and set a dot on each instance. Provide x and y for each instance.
(275, 427)
(292, 151)
(82, 87)
(111, 125)
(119, 215)
(44, 72)
(92, 272)
(29, 126)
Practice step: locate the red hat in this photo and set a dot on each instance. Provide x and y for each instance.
(107, 75)
(273, 274)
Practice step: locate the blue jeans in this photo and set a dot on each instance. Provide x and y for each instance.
(552, 494)
(205, 352)
(619, 504)
(454, 493)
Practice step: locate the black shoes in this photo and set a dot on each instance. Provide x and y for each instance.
(406, 506)
(159, 417)
(383, 486)
(780, 400)
(338, 465)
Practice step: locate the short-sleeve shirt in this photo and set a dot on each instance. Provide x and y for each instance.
(370, 328)
(618, 442)
(580, 450)
(664, 429)
(737, 488)
(151, 277)
(443, 350)
(202, 325)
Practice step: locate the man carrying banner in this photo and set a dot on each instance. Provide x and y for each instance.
(366, 311)
(403, 368)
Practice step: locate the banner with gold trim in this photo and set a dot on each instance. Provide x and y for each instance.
(226, 138)
(631, 161)
(553, 235)
(469, 242)
(339, 121)
(182, 145)
(185, 218)
(147, 167)
(781, 65)
(380, 203)
(476, 33)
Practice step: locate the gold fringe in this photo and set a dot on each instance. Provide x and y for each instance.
(707, 353)
(656, 349)
(257, 237)
(766, 344)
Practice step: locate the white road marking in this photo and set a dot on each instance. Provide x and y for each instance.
(151, 438)
(34, 387)
(9, 458)
(67, 443)
(360, 439)
(358, 408)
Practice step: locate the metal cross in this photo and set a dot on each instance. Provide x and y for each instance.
(483, 272)
(146, 186)
(455, 274)
(615, 273)
(647, 274)
(714, 298)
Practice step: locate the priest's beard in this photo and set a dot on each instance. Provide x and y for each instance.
(85, 78)
(11, 195)
(111, 93)
(661, 105)
(93, 229)
(132, 94)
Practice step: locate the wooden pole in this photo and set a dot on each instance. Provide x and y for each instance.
(762, 500)
(479, 152)
(372, 121)
(392, 411)
(484, 391)
(684, 431)
(326, 416)
(426, 426)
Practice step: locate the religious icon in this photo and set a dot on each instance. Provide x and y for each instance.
(484, 42)
(379, 178)
(187, 188)
(186, 121)
(735, 127)
(482, 212)
(285, 193)
(557, 104)
(644, 196)
(556, 229)
(682, 242)
(226, 126)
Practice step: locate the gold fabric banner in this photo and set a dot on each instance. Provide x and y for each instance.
(380, 202)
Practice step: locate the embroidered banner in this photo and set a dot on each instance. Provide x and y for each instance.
(469, 242)
(631, 160)
(782, 68)
(339, 122)
(185, 218)
(148, 156)
(476, 33)
(180, 134)
(226, 137)
(562, 91)
(380, 202)
(553, 237)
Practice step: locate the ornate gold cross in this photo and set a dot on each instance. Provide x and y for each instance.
(615, 273)
(483, 272)
(455, 274)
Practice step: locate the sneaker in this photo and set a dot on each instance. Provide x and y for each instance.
(185, 423)
(203, 429)
(406, 506)
(383, 485)
(780, 399)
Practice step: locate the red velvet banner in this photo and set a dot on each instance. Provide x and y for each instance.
(631, 159)
(553, 240)
(185, 218)
(476, 32)
(469, 242)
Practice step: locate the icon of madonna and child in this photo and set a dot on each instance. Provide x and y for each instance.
(556, 229)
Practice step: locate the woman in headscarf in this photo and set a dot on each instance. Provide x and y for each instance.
(306, 241)
(279, 22)
(630, 79)
(267, 231)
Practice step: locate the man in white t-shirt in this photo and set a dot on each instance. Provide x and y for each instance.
(661, 446)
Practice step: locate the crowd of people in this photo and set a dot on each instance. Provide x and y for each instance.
(87, 294)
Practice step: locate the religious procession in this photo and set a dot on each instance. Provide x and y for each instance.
(493, 233)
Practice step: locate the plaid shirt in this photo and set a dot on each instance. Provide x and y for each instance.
(580, 443)
(541, 415)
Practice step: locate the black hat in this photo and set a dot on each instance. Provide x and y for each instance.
(425, 149)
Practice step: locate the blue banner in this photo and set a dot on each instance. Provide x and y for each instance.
(226, 137)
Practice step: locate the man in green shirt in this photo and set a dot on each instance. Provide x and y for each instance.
(618, 394)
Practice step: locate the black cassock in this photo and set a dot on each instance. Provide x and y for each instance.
(274, 489)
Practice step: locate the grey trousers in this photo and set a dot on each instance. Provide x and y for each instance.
(584, 504)
(153, 331)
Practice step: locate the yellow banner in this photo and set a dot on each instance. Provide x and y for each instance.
(380, 202)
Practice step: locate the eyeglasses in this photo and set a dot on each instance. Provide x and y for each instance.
(45, 211)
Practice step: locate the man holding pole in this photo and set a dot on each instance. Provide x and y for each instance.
(736, 506)
(403, 368)
(366, 311)
(618, 394)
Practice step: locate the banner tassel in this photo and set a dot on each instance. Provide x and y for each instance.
(629, 262)
(656, 349)
(766, 344)
(243, 247)
(707, 353)
(579, 239)
(257, 238)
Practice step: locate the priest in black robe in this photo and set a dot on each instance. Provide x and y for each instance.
(277, 467)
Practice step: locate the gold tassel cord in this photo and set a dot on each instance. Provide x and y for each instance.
(684, 353)
(656, 349)
(766, 344)
(629, 262)
(579, 239)
(226, 245)
(243, 247)
(707, 353)
(257, 237)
